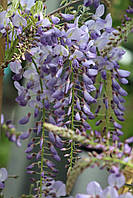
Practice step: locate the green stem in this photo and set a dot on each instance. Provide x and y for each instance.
(43, 131)
(108, 92)
(42, 153)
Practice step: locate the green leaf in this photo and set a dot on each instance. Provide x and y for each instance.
(37, 8)
(12, 50)
(15, 4)
(10, 13)
(62, 2)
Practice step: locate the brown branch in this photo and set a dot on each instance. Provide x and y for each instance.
(3, 3)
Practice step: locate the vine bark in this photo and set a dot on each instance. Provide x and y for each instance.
(3, 3)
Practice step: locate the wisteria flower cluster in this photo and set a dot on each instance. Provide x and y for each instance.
(73, 81)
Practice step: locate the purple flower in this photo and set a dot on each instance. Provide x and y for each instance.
(18, 20)
(109, 192)
(88, 3)
(61, 50)
(122, 92)
(94, 188)
(28, 3)
(117, 125)
(55, 20)
(57, 157)
(77, 116)
(88, 97)
(2, 119)
(99, 12)
(29, 149)
(24, 135)
(52, 149)
(116, 180)
(127, 149)
(25, 119)
(3, 174)
(129, 140)
(31, 75)
(2, 185)
(60, 188)
(92, 72)
(3, 177)
(3, 19)
(41, 143)
(51, 137)
(67, 17)
(15, 67)
(86, 79)
(123, 73)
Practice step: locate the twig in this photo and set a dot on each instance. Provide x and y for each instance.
(63, 7)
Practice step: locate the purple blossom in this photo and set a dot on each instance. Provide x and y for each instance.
(123, 73)
(86, 79)
(61, 50)
(55, 20)
(52, 149)
(28, 3)
(3, 19)
(67, 17)
(122, 92)
(116, 180)
(59, 188)
(77, 116)
(31, 75)
(94, 188)
(99, 12)
(129, 140)
(45, 22)
(18, 21)
(25, 119)
(2, 119)
(3, 177)
(3, 174)
(24, 135)
(88, 97)
(109, 192)
(88, 2)
(15, 67)
(92, 72)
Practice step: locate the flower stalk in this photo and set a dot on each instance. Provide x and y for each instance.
(43, 132)
(108, 91)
